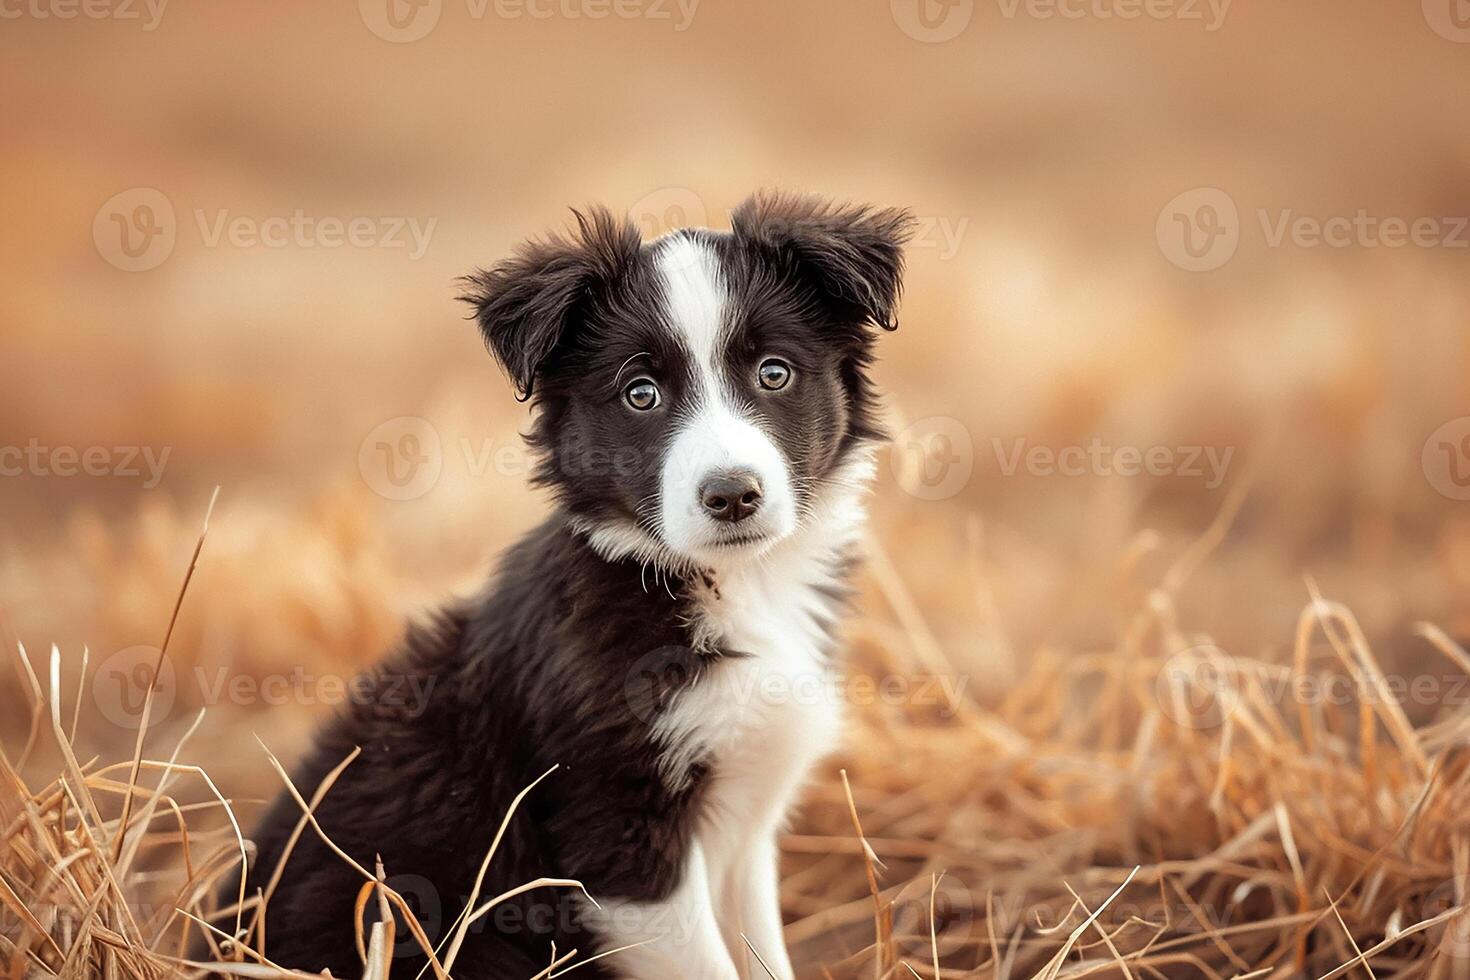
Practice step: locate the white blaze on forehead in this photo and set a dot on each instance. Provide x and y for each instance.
(712, 433)
(695, 300)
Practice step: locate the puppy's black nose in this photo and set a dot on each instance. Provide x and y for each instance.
(732, 495)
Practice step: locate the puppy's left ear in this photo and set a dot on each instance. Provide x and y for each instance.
(851, 254)
(529, 305)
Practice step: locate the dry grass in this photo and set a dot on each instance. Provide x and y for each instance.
(1157, 808)
(1127, 713)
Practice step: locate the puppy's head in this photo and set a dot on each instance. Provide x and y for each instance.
(697, 394)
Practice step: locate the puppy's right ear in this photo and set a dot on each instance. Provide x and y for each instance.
(527, 305)
(853, 255)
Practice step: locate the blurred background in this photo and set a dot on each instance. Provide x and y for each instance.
(1175, 260)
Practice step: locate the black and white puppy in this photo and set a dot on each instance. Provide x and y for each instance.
(704, 417)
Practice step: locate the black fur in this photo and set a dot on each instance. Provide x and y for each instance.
(567, 658)
(511, 696)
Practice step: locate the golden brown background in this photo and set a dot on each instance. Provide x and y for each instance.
(1044, 303)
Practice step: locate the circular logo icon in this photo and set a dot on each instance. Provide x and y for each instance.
(135, 230)
(400, 21)
(932, 21)
(427, 905)
(1451, 937)
(1196, 687)
(1199, 230)
(1446, 459)
(402, 458)
(120, 685)
(1450, 19)
(933, 458)
(952, 919)
(656, 677)
(668, 209)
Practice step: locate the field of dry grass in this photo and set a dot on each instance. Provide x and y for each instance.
(1207, 719)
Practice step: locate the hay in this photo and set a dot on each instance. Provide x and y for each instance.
(1157, 808)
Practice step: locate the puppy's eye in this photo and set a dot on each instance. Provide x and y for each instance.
(641, 394)
(774, 374)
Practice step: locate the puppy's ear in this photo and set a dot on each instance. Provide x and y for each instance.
(529, 304)
(852, 254)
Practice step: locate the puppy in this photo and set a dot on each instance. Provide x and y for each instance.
(705, 421)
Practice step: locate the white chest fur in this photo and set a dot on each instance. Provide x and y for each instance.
(770, 706)
(766, 712)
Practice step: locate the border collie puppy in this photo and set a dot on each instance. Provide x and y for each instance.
(704, 417)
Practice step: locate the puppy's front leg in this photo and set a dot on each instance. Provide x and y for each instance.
(758, 898)
(677, 939)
